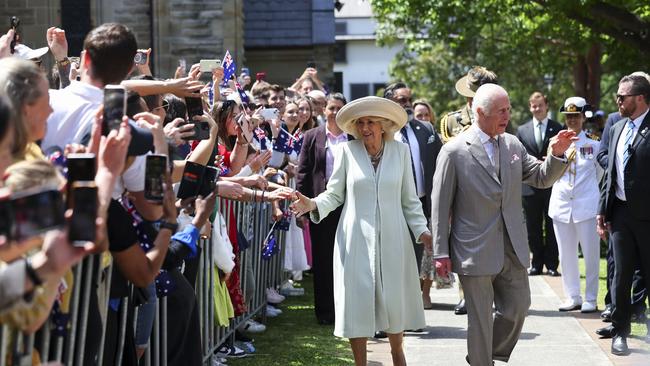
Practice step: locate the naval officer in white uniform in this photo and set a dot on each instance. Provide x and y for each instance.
(573, 207)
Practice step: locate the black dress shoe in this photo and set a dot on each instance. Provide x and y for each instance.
(606, 332)
(619, 346)
(553, 273)
(606, 315)
(380, 334)
(460, 309)
(532, 271)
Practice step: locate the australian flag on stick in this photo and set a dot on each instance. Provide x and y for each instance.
(229, 68)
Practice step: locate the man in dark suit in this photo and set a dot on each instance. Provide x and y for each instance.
(424, 144)
(535, 135)
(638, 283)
(314, 170)
(625, 199)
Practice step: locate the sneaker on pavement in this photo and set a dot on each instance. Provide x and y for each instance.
(589, 307)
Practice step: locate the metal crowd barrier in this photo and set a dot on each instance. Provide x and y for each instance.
(18, 348)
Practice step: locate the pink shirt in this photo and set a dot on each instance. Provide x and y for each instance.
(332, 146)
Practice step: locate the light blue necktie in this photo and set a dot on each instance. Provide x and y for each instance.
(628, 142)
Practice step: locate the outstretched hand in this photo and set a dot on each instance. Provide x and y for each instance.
(302, 204)
(562, 141)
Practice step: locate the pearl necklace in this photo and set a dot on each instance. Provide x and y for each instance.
(374, 159)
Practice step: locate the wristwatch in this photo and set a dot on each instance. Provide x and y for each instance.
(169, 225)
(63, 63)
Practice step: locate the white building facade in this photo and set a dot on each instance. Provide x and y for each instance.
(360, 66)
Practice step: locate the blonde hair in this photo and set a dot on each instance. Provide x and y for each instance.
(19, 81)
(25, 175)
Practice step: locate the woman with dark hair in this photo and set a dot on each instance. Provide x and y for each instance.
(231, 147)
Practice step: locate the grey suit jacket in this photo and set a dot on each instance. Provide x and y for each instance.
(467, 190)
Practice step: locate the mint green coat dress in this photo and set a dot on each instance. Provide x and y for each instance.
(376, 285)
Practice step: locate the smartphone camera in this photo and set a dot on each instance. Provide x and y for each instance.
(140, 58)
(154, 178)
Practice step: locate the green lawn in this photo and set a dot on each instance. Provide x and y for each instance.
(295, 338)
(638, 330)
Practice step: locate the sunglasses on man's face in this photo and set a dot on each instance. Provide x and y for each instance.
(622, 97)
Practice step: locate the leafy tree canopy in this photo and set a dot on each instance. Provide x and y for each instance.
(586, 45)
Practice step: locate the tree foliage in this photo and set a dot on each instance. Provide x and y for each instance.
(586, 45)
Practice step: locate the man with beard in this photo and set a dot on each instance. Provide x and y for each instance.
(625, 198)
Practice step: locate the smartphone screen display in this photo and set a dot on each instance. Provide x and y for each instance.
(114, 107)
(36, 212)
(191, 180)
(81, 167)
(84, 213)
(154, 178)
(194, 107)
(209, 181)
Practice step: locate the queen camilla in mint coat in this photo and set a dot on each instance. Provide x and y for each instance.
(376, 286)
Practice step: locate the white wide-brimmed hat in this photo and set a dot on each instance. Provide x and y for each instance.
(371, 107)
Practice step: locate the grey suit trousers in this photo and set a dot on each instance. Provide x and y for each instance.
(494, 336)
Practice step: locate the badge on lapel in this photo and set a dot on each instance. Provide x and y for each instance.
(514, 158)
(431, 139)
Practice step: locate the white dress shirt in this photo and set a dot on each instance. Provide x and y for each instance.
(333, 144)
(74, 109)
(414, 146)
(620, 151)
(487, 145)
(536, 128)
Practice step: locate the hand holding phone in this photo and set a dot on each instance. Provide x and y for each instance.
(209, 65)
(142, 57)
(114, 108)
(84, 213)
(32, 212)
(155, 169)
(270, 114)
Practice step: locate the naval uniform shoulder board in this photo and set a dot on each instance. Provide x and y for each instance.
(592, 136)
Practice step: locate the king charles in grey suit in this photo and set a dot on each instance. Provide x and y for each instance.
(477, 184)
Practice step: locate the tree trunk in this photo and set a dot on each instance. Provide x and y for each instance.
(595, 71)
(580, 76)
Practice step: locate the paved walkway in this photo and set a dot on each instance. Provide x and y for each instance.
(548, 338)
